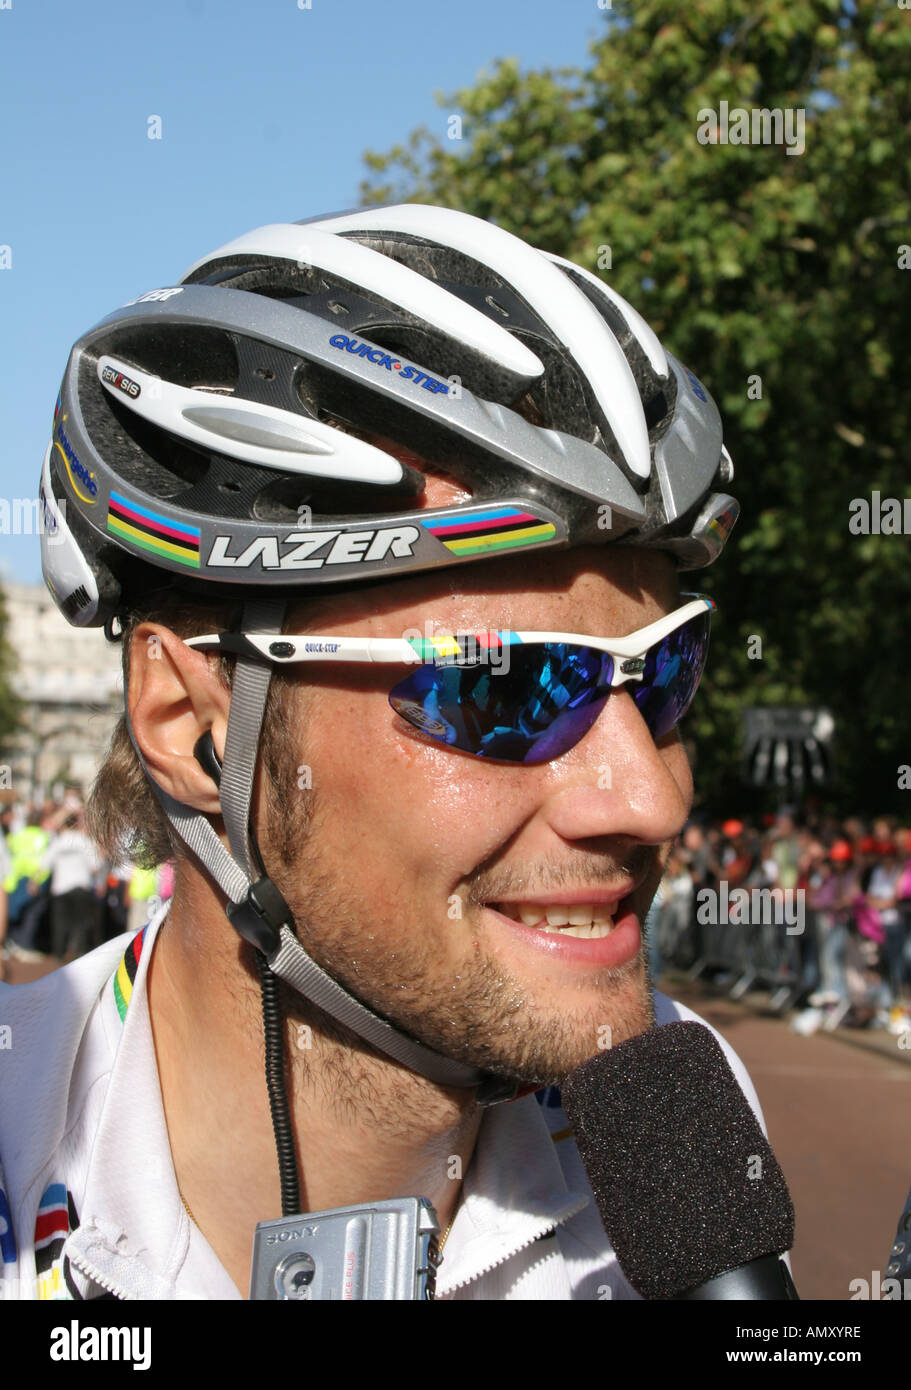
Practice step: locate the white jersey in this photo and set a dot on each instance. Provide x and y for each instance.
(89, 1204)
(73, 861)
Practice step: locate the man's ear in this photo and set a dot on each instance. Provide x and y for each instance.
(175, 696)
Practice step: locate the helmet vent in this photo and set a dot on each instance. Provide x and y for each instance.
(495, 304)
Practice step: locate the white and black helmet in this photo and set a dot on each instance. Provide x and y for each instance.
(239, 434)
(219, 429)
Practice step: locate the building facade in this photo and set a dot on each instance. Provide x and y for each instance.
(70, 683)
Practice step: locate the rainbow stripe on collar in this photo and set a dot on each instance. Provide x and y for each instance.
(125, 973)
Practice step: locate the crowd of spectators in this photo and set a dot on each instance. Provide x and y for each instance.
(58, 899)
(849, 960)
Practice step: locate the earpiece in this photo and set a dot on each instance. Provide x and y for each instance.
(205, 754)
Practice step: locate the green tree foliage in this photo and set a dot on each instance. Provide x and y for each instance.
(778, 277)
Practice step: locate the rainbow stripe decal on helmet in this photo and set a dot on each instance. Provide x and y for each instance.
(152, 531)
(500, 528)
(720, 525)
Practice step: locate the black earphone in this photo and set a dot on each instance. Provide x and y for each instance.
(205, 754)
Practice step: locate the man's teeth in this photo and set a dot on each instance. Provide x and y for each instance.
(586, 920)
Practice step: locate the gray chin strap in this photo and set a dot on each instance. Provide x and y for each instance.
(257, 909)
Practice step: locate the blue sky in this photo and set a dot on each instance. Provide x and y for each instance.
(266, 109)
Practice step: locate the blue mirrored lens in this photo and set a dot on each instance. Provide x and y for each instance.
(672, 672)
(537, 708)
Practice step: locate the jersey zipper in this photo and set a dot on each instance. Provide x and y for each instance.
(98, 1278)
(551, 1226)
(102, 1282)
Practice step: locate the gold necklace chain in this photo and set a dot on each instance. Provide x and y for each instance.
(445, 1236)
(186, 1207)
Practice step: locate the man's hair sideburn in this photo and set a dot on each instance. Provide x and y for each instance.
(123, 814)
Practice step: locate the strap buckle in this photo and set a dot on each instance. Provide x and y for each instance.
(260, 915)
(494, 1089)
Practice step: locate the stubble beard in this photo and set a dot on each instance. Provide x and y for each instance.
(482, 1015)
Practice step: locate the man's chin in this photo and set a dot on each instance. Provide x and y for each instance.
(586, 1032)
(546, 1041)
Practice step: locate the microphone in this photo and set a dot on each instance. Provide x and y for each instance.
(689, 1191)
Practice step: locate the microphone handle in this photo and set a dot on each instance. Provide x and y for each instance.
(765, 1278)
(899, 1263)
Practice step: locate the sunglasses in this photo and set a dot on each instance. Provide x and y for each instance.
(518, 697)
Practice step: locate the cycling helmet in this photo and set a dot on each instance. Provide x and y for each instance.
(238, 434)
(215, 429)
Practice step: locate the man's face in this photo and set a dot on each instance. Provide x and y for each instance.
(418, 860)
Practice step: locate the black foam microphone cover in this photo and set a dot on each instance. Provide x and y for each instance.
(685, 1180)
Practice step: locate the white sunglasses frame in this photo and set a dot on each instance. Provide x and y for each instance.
(282, 649)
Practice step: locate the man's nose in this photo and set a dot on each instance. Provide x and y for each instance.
(617, 782)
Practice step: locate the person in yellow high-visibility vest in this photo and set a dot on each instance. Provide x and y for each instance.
(26, 884)
(26, 849)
